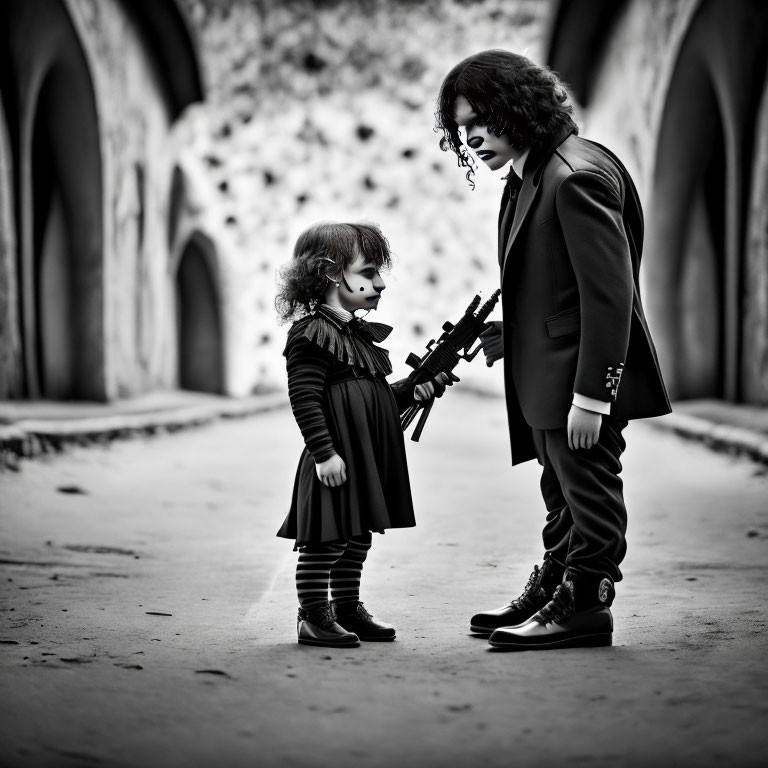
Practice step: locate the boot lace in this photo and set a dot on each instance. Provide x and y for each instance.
(362, 612)
(560, 607)
(532, 590)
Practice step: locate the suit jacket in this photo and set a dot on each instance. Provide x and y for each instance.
(573, 319)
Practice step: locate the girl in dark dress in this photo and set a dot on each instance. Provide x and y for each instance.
(352, 477)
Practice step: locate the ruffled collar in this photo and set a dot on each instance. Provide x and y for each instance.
(350, 340)
(338, 313)
(375, 331)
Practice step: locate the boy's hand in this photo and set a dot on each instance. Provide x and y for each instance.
(583, 428)
(492, 340)
(332, 472)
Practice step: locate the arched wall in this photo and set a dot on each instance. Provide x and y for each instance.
(90, 89)
(694, 254)
(755, 331)
(684, 251)
(677, 94)
(144, 74)
(60, 285)
(67, 274)
(201, 365)
(11, 375)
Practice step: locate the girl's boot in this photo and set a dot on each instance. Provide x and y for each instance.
(316, 626)
(355, 618)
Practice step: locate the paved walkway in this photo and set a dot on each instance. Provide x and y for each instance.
(147, 612)
(29, 429)
(741, 429)
(32, 428)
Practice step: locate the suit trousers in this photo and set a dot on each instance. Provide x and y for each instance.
(583, 493)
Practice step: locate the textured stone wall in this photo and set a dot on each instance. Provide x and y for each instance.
(137, 151)
(10, 358)
(756, 278)
(645, 57)
(325, 111)
(625, 111)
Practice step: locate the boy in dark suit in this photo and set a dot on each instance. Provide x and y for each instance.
(579, 361)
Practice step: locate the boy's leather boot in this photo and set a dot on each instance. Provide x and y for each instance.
(537, 593)
(577, 615)
(355, 618)
(316, 626)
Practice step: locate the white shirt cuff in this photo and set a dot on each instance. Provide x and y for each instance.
(590, 404)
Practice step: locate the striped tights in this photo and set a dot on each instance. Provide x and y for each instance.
(334, 568)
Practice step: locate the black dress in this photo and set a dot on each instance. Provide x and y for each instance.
(343, 404)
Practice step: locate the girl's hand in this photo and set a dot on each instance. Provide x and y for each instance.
(492, 340)
(425, 391)
(434, 388)
(332, 472)
(583, 428)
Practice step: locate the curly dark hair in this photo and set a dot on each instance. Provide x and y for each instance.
(510, 94)
(322, 252)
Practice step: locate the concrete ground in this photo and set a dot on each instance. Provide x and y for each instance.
(148, 611)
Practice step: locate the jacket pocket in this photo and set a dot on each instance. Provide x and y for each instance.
(563, 323)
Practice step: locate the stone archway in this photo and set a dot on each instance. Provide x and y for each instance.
(685, 251)
(58, 167)
(694, 261)
(199, 321)
(755, 357)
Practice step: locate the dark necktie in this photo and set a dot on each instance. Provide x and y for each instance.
(509, 200)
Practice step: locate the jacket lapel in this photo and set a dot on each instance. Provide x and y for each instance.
(528, 192)
(507, 209)
(524, 201)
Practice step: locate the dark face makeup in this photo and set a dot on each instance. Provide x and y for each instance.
(495, 151)
(360, 286)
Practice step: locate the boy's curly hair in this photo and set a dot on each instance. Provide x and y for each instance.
(322, 252)
(510, 94)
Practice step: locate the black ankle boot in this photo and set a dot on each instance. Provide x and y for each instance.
(316, 626)
(538, 591)
(355, 618)
(577, 615)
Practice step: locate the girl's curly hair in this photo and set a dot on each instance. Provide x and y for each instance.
(510, 94)
(322, 252)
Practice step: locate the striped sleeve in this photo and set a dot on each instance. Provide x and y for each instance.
(308, 367)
